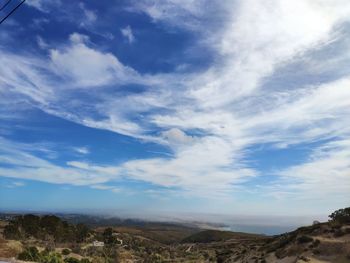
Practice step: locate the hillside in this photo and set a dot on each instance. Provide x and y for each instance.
(208, 236)
(49, 239)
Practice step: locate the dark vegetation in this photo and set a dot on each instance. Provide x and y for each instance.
(46, 256)
(44, 228)
(341, 216)
(99, 221)
(304, 239)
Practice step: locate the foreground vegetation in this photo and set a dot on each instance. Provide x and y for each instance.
(49, 239)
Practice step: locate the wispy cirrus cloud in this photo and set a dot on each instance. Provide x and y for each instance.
(325, 173)
(44, 6)
(128, 34)
(82, 150)
(15, 184)
(182, 14)
(90, 15)
(22, 163)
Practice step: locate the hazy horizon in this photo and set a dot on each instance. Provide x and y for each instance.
(267, 224)
(212, 109)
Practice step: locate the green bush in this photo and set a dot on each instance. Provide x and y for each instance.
(32, 254)
(11, 231)
(51, 258)
(316, 243)
(339, 233)
(304, 239)
(66, 251)
(29, 254)
(71, 260)
(316, 251)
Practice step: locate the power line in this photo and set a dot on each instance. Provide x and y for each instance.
(5, 5)
(13, 10)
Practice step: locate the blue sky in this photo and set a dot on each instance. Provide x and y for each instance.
(164, 107)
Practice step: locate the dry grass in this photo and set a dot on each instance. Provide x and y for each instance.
(10, 248)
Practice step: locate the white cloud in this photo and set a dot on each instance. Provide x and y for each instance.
(18, 184)
(14, 78)
(180, 13)
(25, 165)
(43, 5)
(261, 36)
(90, 15)
(82, 150)
(101, 187)
(106, 187)
(177, 136)
(41, 43)
(86, 67)
(210, 163)
(15, 184)
(128, 34)
(326, 173)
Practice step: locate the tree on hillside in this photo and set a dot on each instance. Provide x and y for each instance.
(341, 216)
(31, 224)
(48, 228)
(50, 223)
(108, 237)
(11, 231)
(82, 232)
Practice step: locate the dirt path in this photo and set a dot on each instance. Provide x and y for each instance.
(312, 260)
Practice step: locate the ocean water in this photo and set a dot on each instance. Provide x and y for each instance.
(262, 229)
